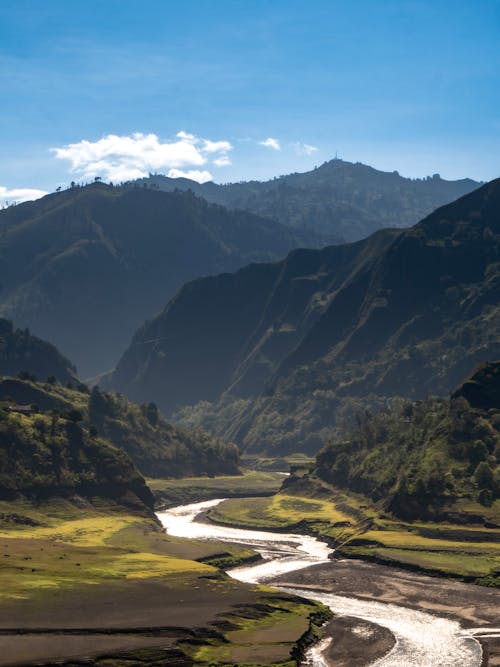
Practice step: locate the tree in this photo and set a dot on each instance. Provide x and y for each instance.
(98, 406)
(74, 415)
(484, 476)
(151, 413)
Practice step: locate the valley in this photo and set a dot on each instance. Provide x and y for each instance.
(347, 481)
(249, 334)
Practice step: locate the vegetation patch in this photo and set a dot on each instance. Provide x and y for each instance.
(170, 492)
(280, 511)
(262, 635)
(70, 550)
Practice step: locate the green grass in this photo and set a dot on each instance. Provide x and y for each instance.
(265, 637)
(466, 564)
(170, 492)
(360, 530)
(52, 552)
(281, 511)
(72, 547)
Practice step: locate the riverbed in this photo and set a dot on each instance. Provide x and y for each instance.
(422, 639)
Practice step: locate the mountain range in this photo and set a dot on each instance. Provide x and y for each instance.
(85, 267)
(342, 201)
(275, 355)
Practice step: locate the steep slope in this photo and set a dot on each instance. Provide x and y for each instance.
(425, 456)
(304, 341)
(85, 267)
(342, 200)
(232, 331)
(157, 448)
(20, 352)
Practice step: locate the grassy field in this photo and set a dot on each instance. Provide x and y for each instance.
(280, 511)
(93, 567)
(65, 547)
(282, 464)
(359, 530)
(170, 492)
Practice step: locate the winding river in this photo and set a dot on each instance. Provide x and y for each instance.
(422, 639)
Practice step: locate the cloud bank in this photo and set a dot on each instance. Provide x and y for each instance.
(123, 158)
(19, 195)
(271, 143)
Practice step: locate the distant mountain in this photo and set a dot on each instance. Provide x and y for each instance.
(21, 352)
(425, 456)
(286, 351)
(156, 447)
(343, 201)
(86, 266)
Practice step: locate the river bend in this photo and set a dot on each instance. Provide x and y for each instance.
(422, 639)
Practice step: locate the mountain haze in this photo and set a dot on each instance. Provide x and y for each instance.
(85, 267)
(343, 201)
(292, 346)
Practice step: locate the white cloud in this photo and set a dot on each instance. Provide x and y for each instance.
(190, 138)
(192, 174)
(8, 196)
(222, 161)
(271, 143)
(121, 158)
(304, 149)
(216, 146)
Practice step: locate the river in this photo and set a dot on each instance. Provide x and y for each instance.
(422, 639)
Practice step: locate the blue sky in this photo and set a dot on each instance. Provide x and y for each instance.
(406, 85)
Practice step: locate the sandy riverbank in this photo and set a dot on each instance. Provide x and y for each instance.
(473, 606)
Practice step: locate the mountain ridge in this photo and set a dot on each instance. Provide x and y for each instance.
(86, 266)
(413, 313)
(345, 201)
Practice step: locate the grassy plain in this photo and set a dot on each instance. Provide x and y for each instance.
(170, 492)
(359, 530)
(70, 570)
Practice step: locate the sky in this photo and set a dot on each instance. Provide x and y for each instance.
(231, 90)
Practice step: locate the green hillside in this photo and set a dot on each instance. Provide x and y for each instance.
(279, 357)
(427, 458)
(46, 455)
(157, 448)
